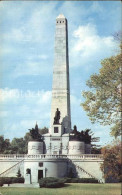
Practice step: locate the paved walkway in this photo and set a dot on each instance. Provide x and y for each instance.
(21, 185)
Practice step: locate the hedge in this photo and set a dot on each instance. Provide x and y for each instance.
(9, 180)
(79, 180)
(51, 182)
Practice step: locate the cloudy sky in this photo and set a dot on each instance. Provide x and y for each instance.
(27, 32)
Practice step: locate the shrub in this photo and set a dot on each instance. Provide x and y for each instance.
(87, 180)
(9, 180)
(75, 180)
(55, 185)
(79, 180)
(51, 182)
(17, 180)
(1, 182)
(66, 180)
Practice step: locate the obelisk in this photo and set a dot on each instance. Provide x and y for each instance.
(61, 88)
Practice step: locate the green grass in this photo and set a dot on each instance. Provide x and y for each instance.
(70, 189)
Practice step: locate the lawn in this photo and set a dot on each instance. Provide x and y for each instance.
(70, 189)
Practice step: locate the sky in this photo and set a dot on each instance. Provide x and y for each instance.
(27, 33)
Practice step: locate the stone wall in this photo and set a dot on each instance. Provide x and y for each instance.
(8, 164)
(55, 166)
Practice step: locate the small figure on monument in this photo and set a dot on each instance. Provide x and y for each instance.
(75, 129)
(57, 117)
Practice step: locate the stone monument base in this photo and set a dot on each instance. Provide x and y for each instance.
(27, 179)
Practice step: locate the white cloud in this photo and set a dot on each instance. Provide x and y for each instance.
(88, 46)
(20, 110)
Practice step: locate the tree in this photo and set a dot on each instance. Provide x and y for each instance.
(103, 100)
(18, 173)
(43, 130)
(18, 146)
(112, 162)
(4, 145)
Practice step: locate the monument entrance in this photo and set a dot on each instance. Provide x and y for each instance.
(40, 174)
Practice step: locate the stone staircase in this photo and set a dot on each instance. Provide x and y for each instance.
(89, 174)
(4, 173)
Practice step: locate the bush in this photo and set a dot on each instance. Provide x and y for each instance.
(1, 182)
(66, 179)
(55, 185)
(79, 180)
(87, 180)
(17, 180)
(51, 182)
(9, 180)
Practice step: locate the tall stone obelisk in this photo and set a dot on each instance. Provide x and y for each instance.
(61, 88)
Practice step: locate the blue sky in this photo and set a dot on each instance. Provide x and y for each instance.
(27, 56)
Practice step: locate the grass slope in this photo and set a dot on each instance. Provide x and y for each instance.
(70, 189)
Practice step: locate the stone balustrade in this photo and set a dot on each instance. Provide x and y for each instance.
(49, 156)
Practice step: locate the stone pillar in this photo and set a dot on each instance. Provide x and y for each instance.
(61, 88)
(28, 179)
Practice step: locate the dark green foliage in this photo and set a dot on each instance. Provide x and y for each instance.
(18, 145)
(43, 130)
(4, 145)
(17, 180)
(51, 182)
(66, 180)
(10, 180)
(18, 173)
(79, 180)
(95, 150)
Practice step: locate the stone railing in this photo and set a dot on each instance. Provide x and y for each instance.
(49, 156)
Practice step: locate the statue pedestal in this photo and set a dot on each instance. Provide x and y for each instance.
(57, 130)
(28, 179)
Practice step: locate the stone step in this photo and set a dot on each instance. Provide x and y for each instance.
(22, 185)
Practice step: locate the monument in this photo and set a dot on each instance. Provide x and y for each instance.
(54, 154)
(61, 89)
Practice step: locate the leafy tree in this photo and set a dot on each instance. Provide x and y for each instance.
(96, 149)
(103, 100)
(112, 162)
(43, 130)
(4, 145)
(18, 146)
